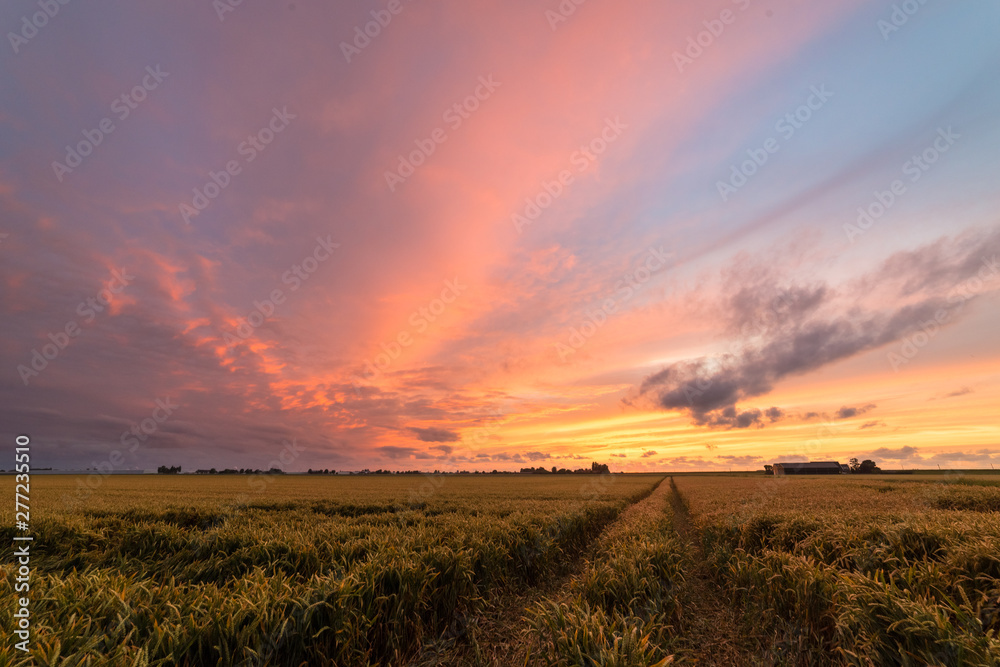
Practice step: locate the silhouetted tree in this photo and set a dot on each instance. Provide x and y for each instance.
(868, 467)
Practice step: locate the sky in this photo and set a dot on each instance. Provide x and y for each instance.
(455, 236)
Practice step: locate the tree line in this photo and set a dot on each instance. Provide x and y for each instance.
(866, 467)
(176, 470)
(595, 468)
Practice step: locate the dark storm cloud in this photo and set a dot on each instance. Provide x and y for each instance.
(730, 417)
(758, 305)
(959, 392)
(740, 460)
(393, 452)
(707, 384)
(847, 412)
(797, 330)
(941, 265)
(434, 434)
(504, 456)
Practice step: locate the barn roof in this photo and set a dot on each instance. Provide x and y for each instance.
(812, 465)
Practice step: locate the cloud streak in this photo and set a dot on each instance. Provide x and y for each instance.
(434, 434)
(799, 330)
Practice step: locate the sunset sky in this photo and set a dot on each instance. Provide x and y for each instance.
(500, 234)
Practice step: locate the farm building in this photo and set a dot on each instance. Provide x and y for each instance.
(811, 468)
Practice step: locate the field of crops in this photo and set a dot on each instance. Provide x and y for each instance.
(290, 570)
(866, 570)
(612, 570)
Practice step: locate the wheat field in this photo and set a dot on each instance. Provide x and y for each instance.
(616, 570)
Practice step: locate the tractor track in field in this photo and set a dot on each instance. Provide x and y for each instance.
(500, 637)
(713, 632)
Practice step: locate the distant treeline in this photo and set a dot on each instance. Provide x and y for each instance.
(176, 470)
(866, 467)
(594, 469)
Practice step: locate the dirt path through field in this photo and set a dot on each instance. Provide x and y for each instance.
(500, 636)
(713, 634)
